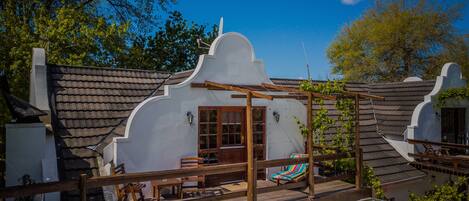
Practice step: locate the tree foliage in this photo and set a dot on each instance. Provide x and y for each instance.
(77, 32)
(398, 39)
(70, 33)
(172, 48)
(145, 14)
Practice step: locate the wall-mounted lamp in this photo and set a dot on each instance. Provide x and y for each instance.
(190, 117)
(276, 116)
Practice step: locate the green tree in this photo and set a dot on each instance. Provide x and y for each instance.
(77, 32)
(172, 48)
(398, 39)
(70, 33)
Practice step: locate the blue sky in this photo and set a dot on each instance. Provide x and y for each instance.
(277, 28)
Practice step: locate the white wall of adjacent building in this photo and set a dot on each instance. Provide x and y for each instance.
(426, 118)
(30, 148)
(30, 151)
(426, 125)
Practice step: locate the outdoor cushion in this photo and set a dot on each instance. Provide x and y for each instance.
(292, 171)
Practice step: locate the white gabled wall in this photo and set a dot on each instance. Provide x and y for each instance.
(426, 123)
(158, 134)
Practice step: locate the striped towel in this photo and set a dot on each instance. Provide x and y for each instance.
(292, 171)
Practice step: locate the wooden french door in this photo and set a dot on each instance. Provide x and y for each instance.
(453, 125)
(222, 138)
(232, 147)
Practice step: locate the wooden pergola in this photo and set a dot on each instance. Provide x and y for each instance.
(358, 155)
(251, 91)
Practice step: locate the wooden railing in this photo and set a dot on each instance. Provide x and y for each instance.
(85, 183)
(436, 155)
(442, 144)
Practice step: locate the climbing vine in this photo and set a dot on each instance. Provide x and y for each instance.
(453, 93)
(323, 122)
(343, 124)
(372, 181)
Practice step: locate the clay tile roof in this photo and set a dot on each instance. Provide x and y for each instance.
(21, 110)
(90, 106)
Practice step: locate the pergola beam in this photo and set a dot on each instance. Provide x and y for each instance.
(266, 86)
(298, 97)
(251, 191)
(209, 84)
(309, 143)
(295, 90)
(358, 152)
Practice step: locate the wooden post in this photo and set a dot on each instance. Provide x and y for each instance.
(467, 190)
(83, 178)
(358, 156)
(250, 149)
(309, 123)
(255, 178)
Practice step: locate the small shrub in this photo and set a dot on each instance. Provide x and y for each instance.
(451, 191)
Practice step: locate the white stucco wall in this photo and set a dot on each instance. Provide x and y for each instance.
(158, 134)
(426, 122)
(38, 96)
(29, 150)
(426, 125)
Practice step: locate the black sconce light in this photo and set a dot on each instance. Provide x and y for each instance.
(276, 116)
(190, 117)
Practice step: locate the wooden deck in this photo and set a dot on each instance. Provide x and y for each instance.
(335, 190)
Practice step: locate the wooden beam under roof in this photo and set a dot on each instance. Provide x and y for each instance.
(228, 87)
(257, 88)
(297, 97)
(295, 90)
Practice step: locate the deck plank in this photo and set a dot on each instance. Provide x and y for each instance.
(324, 191)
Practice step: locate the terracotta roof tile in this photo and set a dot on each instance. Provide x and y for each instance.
(90, 106)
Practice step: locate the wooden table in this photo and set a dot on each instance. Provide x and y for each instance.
(173, 183)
